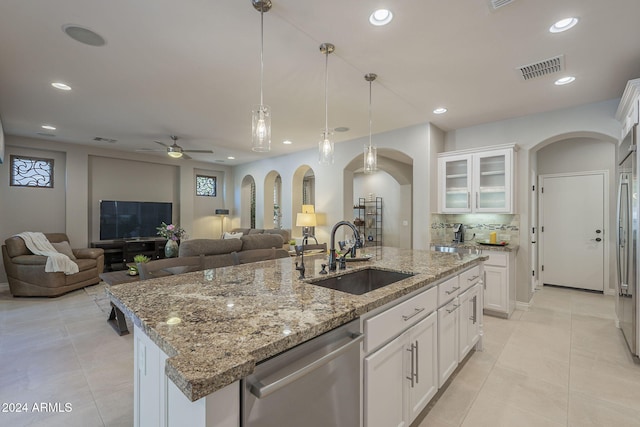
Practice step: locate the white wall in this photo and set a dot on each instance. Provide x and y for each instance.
(531, 133)
(70, 206)
(331, 188)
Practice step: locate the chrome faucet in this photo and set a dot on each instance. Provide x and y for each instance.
(332, 248)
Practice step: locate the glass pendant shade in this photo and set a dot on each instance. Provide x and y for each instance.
(325, 149)
(370, 151)
(261, 128)
(370, 159)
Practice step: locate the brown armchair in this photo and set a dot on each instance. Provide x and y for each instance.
(26, 275)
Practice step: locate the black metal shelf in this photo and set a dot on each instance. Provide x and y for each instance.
(368, 219)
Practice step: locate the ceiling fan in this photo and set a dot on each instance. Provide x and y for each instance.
(176, 151)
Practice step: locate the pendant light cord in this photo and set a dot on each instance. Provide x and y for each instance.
(261, 52)
(326, 94)
(370, 81)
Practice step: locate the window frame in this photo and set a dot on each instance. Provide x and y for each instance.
(12, 168)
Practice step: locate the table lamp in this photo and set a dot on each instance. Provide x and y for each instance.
(222, 213)
(306, 220)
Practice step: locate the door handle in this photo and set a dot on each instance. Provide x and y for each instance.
(598, 231)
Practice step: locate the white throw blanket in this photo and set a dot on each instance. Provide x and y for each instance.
(39, 245)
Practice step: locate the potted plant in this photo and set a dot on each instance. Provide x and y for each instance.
(138, 259)
(292, 244)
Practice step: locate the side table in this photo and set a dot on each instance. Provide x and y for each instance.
(116, 317)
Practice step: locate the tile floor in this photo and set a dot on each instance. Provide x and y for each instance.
(563, 363)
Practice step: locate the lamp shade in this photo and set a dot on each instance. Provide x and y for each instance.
(306, 220)
(308, 209)
(222, 211)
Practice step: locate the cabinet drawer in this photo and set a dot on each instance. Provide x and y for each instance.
(390, 323)
(499, 260)
(448, 290)
(469, 278)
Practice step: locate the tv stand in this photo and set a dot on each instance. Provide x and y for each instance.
(117, 253)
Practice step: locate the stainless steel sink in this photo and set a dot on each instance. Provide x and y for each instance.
(455, 249)
(361, 281)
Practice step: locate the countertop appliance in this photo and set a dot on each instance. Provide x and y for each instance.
(458, 233)
(316, 384)
(628, 213)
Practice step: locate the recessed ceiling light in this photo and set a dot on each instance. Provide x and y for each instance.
(564, 80)
(83, 35)
(440, 110)
(61, 86)
(230, 158)
(48, 127)
(287, 142)
(381, 17)
(563, 25)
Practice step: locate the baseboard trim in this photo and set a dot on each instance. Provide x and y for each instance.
(524, 306)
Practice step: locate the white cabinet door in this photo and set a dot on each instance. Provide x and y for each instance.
(447, 341)
(455, 183)
(469, 328)
(385, 385)
(496, 289)
(492, 181)
(424, 337)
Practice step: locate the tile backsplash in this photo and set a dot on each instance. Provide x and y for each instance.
(507, 226)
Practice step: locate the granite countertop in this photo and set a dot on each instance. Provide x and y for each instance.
(473, 244)
(215, 325)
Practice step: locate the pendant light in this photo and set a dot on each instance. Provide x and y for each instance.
(370, 151)
(325, 146)
(261, 114)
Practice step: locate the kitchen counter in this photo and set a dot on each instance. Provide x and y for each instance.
(511, 247)
(215, 325)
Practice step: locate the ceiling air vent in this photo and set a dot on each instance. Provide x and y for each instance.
(496, 4)
(542, 68)
(109, 140)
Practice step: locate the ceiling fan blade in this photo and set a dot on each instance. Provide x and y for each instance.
(161, 143)
(149, 150)
(198, 151)
(186, 156)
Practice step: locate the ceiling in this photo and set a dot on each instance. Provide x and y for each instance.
(192, 68)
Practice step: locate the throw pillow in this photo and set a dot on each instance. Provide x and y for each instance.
(228, 235)
(64, 248)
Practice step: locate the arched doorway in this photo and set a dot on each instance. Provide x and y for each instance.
(570, 155)
(248, 202)
(272, 200)
(303, 189)
(394, 183)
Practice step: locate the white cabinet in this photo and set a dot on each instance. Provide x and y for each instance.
(157, 401)
(470, 313)
(401, 377)
(477, 181)
(447, 340)
(500, 283)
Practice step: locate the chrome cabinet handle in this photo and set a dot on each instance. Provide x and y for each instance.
(417, 363)
(415, 313)
(261, 390)
(453, 309)
(471, 279)
(413, 374)
(477, 198)
(474, 310)
(452, 290)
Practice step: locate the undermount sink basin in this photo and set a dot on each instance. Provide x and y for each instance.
(454, 249)
(361, 281)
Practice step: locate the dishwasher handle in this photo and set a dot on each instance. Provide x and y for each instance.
(260, 390)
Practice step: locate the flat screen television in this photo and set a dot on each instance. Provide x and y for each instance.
(130, 220)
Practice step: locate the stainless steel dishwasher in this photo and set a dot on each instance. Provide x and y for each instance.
(316, 383)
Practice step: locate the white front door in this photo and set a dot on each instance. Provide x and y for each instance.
(572, 218)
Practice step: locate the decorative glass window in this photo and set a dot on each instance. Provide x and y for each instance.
(205, 185)
(29, 171)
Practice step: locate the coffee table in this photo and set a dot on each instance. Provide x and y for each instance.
(116, 317)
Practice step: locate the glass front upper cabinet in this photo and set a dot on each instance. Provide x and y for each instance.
(476, 182)
(455, 174)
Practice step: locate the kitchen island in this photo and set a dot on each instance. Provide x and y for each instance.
(214, 326)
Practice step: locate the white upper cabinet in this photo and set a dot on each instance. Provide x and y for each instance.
(477, 181)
